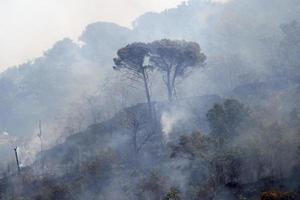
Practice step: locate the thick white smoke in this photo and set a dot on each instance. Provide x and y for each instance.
(169, 120)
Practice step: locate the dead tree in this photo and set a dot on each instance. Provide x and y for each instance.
(141, 129)
(132, 123)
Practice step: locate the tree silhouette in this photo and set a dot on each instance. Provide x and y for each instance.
(173, 58)
(133, 60)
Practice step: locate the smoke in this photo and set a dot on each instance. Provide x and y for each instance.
(73, 86)
(168, 121)
(172, 119)
(6, 138)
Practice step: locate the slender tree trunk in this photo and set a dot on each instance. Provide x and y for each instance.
(169, 86)
(172, 84)
(147, 92)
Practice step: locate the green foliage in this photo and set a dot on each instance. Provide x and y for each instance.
(152, 186)
(173, 194)
(278, 195)
(225, 119)
(97, 170)
(173, 58)
(53, 192)
(132, 57)
(192, 147)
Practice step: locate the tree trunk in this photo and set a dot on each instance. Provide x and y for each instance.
(147, 92)
(169, 86)
(173, 83)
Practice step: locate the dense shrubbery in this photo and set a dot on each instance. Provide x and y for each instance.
(235, 158)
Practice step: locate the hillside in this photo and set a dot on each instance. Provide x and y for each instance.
(197, 102)
(101, 162)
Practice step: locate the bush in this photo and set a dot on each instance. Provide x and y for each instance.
(277, 195)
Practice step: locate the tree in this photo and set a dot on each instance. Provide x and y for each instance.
(173, 58)
(224, 120)
(223, 166)
(173, 194)
(133, 60)
(152, 186)
(135, 122)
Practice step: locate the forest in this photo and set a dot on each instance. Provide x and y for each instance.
(198, 102)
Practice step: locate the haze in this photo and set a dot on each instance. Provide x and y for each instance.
(30, 27)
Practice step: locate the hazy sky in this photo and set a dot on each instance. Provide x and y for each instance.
(28, 27)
